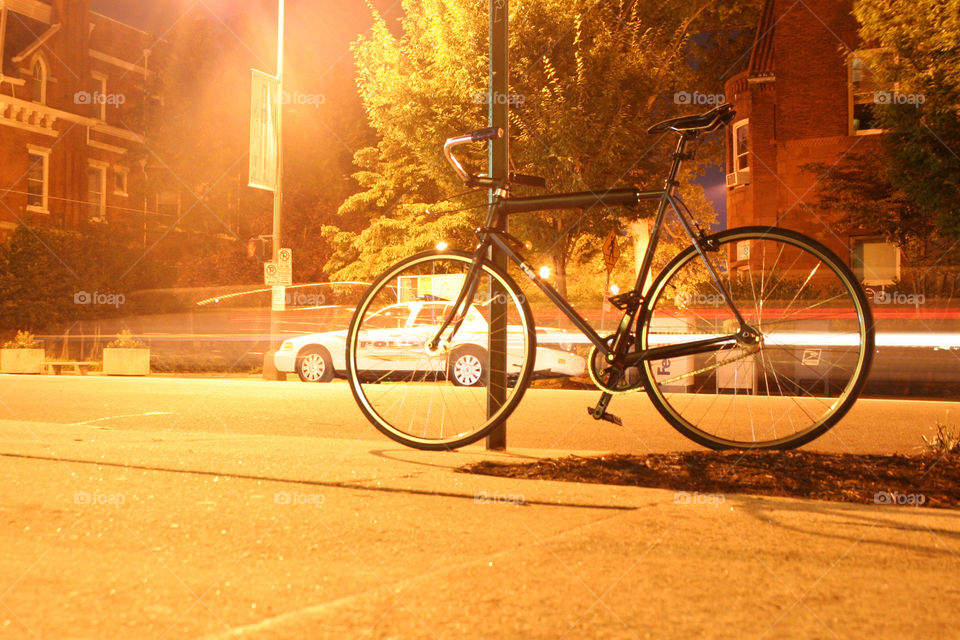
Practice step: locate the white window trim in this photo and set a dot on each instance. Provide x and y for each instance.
(102, 167)
(735, 157)
(121, 171)
(101, 79)
(46, 75)
(851, 102)
(41, 151)
(862, 276)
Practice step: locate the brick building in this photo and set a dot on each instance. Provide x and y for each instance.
(805, 98)
(71, 90)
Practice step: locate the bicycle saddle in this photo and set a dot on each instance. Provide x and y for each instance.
(716, 117)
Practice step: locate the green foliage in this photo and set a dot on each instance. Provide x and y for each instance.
(586, 83)
(48, 276)
(23, 340)
(864, 189)
(125, 340)
(919, 58)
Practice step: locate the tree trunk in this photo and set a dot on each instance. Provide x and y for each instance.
(560, 272)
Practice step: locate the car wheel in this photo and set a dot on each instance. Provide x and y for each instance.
(468, 367)
(314, 365)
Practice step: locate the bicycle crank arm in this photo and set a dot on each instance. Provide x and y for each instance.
(599, 412)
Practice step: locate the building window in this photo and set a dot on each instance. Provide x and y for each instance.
(876, 262)
(740, 156)
(38, 179)
(39, 80)
(96, 193)
(168, 204)
(865, 89)
(98, 99)
(120, 181)
(741, 146)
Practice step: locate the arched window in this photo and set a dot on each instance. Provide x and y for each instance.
(39, 80)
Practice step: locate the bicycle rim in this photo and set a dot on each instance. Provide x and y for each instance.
(438, 398)
(812, 359)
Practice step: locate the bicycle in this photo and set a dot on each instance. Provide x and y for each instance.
(753, 337)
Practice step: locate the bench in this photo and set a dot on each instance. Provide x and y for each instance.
(56, 366)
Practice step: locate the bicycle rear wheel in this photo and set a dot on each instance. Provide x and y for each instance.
(437, 398)
(815, 346)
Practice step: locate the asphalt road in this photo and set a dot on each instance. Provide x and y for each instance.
(237, 508)
(546, 419)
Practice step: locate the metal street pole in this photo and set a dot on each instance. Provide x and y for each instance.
(278, 191)
(498, 160)
(269, 368)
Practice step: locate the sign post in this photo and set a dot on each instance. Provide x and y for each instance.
(498, 166)
(266, 171)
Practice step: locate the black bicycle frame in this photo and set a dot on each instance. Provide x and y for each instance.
(504, 206)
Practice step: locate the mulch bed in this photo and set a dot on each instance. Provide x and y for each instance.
(928, 480)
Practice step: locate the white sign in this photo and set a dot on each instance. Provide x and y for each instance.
(280, 272)
(263, 131)
(271, 274)
(279, 297)
(285, 266)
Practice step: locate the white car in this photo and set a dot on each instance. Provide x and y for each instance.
(393, 342)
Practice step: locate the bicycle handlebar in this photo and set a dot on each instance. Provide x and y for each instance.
(491, 133)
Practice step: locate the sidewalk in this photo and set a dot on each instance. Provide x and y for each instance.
(177, 535)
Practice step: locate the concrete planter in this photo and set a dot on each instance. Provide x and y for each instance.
(21, 360)
(119, 361)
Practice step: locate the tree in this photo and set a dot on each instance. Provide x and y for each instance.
(918, 57)
(863, 189)
(586, 83)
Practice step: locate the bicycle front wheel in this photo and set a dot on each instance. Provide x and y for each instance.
(454, 393)
(802, 373)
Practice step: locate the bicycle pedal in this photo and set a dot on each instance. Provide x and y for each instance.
(609, 417)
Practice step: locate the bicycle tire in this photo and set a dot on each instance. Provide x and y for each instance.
(436, 400)
(816, 332)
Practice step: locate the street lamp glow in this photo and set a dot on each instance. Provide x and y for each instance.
(442, 246)
(544, 273)
(614, 289)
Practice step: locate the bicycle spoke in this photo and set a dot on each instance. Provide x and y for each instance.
(799, 375)
(436, 398)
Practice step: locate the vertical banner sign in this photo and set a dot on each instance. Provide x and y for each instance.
(263, 131)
